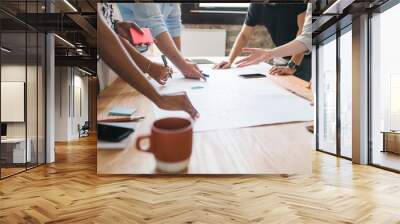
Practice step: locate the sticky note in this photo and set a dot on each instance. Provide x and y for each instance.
(122, 111)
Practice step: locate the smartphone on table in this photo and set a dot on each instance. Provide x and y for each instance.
(252, 76)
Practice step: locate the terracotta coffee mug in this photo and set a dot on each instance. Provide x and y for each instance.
(170, 142)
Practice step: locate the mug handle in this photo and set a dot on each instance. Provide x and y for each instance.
(139, 140)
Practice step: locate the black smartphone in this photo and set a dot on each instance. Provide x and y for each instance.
(252, 76)
(112, 133)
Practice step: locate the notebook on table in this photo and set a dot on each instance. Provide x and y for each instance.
(122, 111)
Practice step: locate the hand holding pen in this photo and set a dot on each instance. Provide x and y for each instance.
(164, 59)
(202, 75)
(205, 76)
(158, 72)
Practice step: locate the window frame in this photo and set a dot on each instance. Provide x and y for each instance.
(378, 10)
(25, 30)
(339, 28)
(327, 37)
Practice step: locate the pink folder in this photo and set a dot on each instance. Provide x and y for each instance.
(138, 38)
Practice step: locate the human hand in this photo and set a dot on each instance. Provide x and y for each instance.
(191, 70)
(159, 72)
(222, 65)
(178, 101)
(256, 56)
(309, 86)
(281, 70)
(123, 29)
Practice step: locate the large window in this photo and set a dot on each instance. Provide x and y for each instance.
(326, 135)
(334, 85)
(334, 58)
(346, 75)
(385, 89)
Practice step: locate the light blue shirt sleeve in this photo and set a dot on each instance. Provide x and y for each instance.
(173, 19)
(159, 17)
(126, 11)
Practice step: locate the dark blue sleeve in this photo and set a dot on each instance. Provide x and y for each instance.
(253, 14)
(300, 8)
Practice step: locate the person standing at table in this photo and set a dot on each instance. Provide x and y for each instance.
(164, 21)
(302, 43)
(121, 57)
(284, 22)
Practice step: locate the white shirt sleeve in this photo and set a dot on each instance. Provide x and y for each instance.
(306, 36)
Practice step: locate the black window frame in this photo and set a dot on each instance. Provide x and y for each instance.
(192, 13)
(332, 33)
(26, 29)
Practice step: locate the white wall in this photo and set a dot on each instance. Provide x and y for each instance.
(33, 126)
(80, 109)
(203, 42)
(61, 103)
(12, 73)
(70, 83)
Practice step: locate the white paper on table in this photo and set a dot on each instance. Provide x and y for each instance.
(229, 101)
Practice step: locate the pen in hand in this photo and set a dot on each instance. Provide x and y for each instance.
(165, 63)
(205, 76)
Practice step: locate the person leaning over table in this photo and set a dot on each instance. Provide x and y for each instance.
(164, 21)
(119, 54)
(157, 71)
(284, 23)
(302, 43)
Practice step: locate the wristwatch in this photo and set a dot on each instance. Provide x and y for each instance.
(292, 65)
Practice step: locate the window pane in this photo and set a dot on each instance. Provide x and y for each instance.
(41, 99)
(385, 86)
(14, 153)
(327, 96)
(31, 98)
(346, 93)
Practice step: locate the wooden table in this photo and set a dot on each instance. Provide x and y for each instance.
(269, 149)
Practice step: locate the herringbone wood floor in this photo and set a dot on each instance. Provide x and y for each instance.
(69, 191)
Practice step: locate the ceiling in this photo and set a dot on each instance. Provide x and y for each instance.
(332, 15)
(72, 20)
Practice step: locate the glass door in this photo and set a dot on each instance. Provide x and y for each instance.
(22, 77)
(326, 81)
(385, 89)
(13, 103)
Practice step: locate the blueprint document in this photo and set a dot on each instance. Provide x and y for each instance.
(228, 101)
